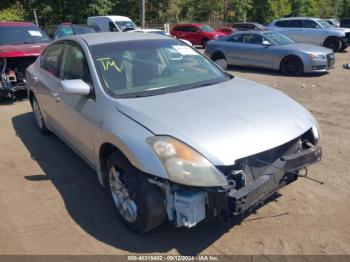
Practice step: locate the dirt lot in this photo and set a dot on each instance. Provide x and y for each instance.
(51, 203)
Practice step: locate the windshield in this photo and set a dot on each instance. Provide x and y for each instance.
(324, 24)
(206, 28)
(126, 25)
(278, 38)
(22, 35)
(150, 67)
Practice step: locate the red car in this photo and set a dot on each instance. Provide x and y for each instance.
(197, 34)
(226, 30)
(20, 44)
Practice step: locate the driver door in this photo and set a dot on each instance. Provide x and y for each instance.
(78, 113)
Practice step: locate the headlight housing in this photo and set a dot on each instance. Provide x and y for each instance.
(317, 56)
(184, 165)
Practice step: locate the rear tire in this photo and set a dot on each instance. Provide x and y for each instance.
(139, 204)
(333, 43)
(292, 66)
(220, 59)
(39, 117)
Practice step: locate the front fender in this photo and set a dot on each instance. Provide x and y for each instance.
(130, 138)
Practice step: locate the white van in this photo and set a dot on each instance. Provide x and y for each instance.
(112, 23)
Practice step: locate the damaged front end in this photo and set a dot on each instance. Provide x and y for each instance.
(252, 180)
(12, 75)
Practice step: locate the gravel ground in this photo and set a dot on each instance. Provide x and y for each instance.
(51, 202)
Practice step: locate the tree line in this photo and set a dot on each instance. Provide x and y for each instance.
(170, 11)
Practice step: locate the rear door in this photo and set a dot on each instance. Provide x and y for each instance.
(291, 28)
(181, 32)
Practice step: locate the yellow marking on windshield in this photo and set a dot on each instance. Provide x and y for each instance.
(108, 63)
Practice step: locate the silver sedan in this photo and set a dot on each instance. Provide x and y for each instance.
(170, 135)
(272, 50)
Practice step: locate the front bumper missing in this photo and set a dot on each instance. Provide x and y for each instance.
(282, 172)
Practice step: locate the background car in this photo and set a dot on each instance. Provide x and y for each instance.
(332, 22)
(197, 34)
(20, 44)
(345, 22)
(68, 29)
(159, 32)
(271, 50)
(312, 31)
(170, 135)
(226, 30)
(247, 26)
(112, 23)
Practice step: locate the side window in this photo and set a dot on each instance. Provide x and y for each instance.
(193, 29)
(282, 23)
(295, 23)
(112, 27)
(235, 39)
(51, 59)
(74, 65)
(311, 24)
(181, 29)
(252, 39)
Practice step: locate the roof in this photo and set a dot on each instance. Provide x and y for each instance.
(146, 30)
(112, 37)
(187, 24)
(16, 24)
(297, 18)
(113, 17)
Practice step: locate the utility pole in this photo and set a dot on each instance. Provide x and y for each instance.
(336, 9)
(143, 14)
(35, 18)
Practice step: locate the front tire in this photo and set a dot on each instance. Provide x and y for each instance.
(139, 204)
(333, 43)
(292, 66)
(39, 117)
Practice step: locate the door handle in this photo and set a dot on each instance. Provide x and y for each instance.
(56, 96)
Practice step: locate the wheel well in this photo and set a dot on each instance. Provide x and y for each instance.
(105, 151)
(31, 97)
(329, 38)
(217, 55)
(291, 56)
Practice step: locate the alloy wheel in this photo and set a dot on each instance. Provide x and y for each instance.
(121, 195)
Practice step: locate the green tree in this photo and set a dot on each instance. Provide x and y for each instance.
(14, 12)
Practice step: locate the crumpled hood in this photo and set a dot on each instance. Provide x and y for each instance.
(21, 50)
(307, 48)
(224, 122)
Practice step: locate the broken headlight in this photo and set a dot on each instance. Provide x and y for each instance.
(184, 165)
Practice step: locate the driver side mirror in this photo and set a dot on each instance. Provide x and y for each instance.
(75, 87)
(266, 43)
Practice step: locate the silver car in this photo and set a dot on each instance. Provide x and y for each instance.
(272, 50)
(313, 31)
(170, 135)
